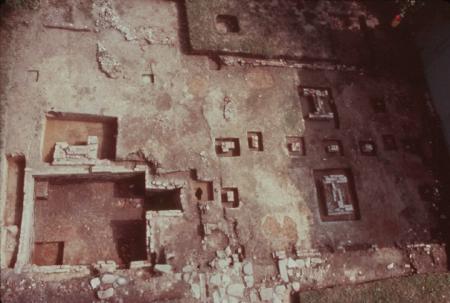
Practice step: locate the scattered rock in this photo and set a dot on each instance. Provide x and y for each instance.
(247, 268)
(236, 290)
(282, 264)
(164, 268)
(390, 266)
(316, 261)
(280, 289)
(253, 296)
(233, 300)
(215, 279)
(266, 294)
(95, 282)
(228, 109)
(222, 263)
(195, 290)
(105, 294)
(108, 64)
(291, 263)
(121, 281)
(216, 297)
(188, 268)
(226, 280)
(249, 281)
(106, 266)
(108, 278)
(186, 277)
(300, 263)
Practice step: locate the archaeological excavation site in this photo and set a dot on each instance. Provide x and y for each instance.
(224, 151)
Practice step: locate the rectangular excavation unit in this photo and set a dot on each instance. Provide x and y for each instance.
(333, 147)
(318, 102)
(295, 146)
(68, 133)
(336, 195)
(80, 220)
(389, 142)
(202, 190)
(14, 189)
(230, 197)
(255, 141)
(368, 148)
(227, 147)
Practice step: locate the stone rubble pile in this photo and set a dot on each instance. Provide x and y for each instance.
(107, 17)
(66, 154)
(240, 61)
(106, 284)
(291, 268)
(108, 64)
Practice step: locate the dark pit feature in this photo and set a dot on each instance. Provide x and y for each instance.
(378, 105)
(148, 78)
(227, 24)
(48, 253)
(411, 145)
(296, 146)
(33, 75)
(368, 148)
(203, 190)
(129, 236)
(333, 147)
(255, 141)
(389, 142)
(163, 199)
(230, 197)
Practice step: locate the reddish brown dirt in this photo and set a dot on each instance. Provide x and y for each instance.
(96, 220)
(76, 132)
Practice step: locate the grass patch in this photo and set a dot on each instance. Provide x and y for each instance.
(432, 288)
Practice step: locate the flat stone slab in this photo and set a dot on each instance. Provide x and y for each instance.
(105, 294)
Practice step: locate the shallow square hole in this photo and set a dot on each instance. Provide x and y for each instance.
(411, 145)
(255, 141)
(15, 176)
(48, 253)
(295, 146)
(227, 24)
(368, 148)
(203, 190)
(389, 142)
(333, 147)
(227, 147)
(148, 78)
(33, 75)
(163, 199)
(230, 197)
(378, 105)
(41, 190)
